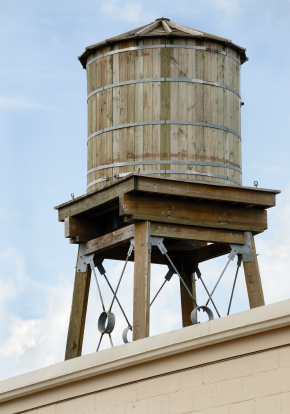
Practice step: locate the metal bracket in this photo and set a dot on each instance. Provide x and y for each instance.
(131, 248)
(98, 263)
(83, 260)
(156, 241)
(170, 273)
(244, 249)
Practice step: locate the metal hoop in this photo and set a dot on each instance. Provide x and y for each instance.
(193, 315)
(106, 322)
(125, 333)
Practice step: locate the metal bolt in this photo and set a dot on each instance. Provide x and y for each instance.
(162, 202)
(81, 256)
(220, 218)
(168, 212)
(230, 219)
(230, 210)
(173, 208)
(224, 213)
(79, 270)
(162, 212)
(165, 228)
(236, 235)
(230, 234)
(159, 228)
(142, 244)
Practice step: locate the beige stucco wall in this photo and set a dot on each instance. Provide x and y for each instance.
(236, 364)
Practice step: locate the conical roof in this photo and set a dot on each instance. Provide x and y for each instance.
(162, 27)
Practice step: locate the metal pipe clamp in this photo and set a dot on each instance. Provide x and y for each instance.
(106, 322)
(193, 315)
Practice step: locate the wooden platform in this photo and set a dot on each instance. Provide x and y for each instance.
(181, 211)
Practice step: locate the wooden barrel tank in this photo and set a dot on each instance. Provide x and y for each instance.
(164, 103)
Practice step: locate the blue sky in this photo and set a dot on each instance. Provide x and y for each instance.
(43, 159)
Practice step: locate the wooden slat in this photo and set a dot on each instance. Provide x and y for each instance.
(208, 191)
(165, 151)
(188, 212)
(78, 314)
(196, 233)
(253, 280)
(142, 264)
(110, 240)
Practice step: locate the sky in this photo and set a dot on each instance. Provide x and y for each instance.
(43, 129)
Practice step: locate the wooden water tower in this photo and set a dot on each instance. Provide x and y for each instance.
(164, 169)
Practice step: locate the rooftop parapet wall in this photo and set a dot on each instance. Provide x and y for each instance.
(239, 362)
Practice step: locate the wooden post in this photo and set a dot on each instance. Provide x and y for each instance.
(142, 264)
(78, 314)
(253, 280)
(187, 304)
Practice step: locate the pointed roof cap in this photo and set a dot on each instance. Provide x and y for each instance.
(162, 27)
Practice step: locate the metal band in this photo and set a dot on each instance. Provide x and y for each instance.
(171, 162)
(134, 124)
(224, 177)
(130, 82)
(128, 49)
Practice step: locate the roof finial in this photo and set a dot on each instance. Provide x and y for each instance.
(162, 18)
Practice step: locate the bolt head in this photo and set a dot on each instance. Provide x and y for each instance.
(142, 244)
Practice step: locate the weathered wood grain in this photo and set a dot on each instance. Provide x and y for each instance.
(141, 297)
(253, 280)
(189, 212)
(78, 314)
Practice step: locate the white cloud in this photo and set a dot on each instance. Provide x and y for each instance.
(130, 11)
(16, 103)
(23, 337)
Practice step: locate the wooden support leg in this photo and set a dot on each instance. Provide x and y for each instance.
(253, 280)
(78, 314)
(142, 264)
(187, 304)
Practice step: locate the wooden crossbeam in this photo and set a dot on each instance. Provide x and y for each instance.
(84, 229)
(110, 240)
(188, 212)
(208, 191)
(171, 231)
(209, 235)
